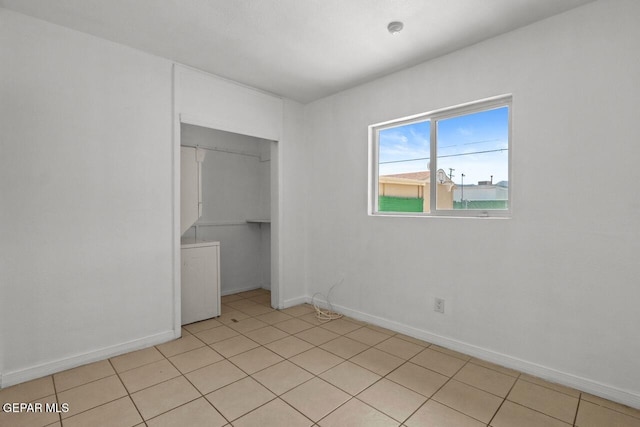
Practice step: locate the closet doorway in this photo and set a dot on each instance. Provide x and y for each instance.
(239, 200)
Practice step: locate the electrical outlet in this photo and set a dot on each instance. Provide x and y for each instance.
(438, 305)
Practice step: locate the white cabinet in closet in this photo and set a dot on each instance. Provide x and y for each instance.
(190, 186)
(200, 277)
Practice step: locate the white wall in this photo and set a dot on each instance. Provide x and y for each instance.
(552, 291)
(211, 101)
(264, 211)
(86, 250)
(235, 188)
(295, 164)
(88, 168)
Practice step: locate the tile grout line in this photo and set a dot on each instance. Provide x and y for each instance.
(351, 397)
(128, 394)
(181, 374)
(287, 403)
(100, 405)
(187, 379)
(538, 411)
(402, 385)
(405, 361)
(470, 360)
(443, 385)
(550, 388)
(612, 409)
(428, 398)
(381, 377)
(504, 399)
(314, 376)
(276, 396)
(544, 413)
(55, 392)
(192, 385)
(247, 375)
(575, 418)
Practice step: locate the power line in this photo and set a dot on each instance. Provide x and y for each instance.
(448, 155)
(475, 152)
(470, 143)
(401, 161)
(481, 142)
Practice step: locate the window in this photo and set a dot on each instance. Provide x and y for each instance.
(467, 149)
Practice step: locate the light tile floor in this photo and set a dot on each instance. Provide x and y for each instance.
(255, 366)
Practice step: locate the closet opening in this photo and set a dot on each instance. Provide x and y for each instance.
(235, 201)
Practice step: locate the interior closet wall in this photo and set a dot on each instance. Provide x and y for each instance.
(235, 189)
(264, 213)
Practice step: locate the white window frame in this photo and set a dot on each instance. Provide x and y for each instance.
(433, 117)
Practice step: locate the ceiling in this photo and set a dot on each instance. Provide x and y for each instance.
(300, 49)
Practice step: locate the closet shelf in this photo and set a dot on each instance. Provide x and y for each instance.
(259, 221)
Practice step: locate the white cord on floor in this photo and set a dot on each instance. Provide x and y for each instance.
(324, 315)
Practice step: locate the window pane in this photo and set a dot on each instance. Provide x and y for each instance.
(473, 161)
(403, 163)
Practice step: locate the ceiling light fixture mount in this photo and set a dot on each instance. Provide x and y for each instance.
(395, 27)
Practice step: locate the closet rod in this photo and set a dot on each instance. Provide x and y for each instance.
(223, 150)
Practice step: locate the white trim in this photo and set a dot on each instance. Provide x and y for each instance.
(222, 150)
(226, 80)
(48, 368)
(191, 119)
(237, 291)
(242, 222)
(226, 105)
(460, 108)
(176, 237)
(296, 301)
(615, 394)
(276, 215)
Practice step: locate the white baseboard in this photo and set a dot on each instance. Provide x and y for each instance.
(606, 391)
(237, 291)
(296, 301)
(16, 377)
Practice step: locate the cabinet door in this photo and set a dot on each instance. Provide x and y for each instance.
(189, 188)
(200, 288)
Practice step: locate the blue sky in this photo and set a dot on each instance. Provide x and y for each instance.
(473, 144)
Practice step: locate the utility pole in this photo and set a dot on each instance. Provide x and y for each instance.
(451, 173)
(462, 192)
